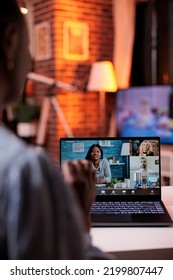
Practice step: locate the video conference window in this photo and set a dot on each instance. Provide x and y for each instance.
(119, 165)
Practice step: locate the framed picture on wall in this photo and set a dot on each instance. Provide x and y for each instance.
(75, 41)
(42, 49)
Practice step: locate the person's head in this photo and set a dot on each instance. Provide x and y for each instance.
(95, 152)
(144, 177)
(143, 162)
(155, 148)
(145, 147)
(15, 61)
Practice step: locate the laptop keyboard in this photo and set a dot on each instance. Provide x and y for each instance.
(127, 207)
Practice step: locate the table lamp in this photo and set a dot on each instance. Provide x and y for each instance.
(102, 79)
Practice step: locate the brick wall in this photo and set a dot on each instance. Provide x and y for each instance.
(81, 108)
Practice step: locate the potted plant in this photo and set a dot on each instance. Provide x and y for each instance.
(112, 183)
(110, 159)
(26, 116)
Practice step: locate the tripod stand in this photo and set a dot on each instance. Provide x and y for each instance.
(49, 99)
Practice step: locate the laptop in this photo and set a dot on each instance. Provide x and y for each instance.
(128, 179)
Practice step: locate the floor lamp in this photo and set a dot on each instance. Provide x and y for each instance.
(102, 79)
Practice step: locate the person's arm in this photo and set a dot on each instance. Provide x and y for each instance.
(137, 185)
(42, 220)
(79, 175)
(107, 170)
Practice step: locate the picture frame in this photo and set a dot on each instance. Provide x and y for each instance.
(75, 41)
(42, 49)
(78, 147)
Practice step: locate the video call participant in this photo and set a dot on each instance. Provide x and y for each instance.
(143, 166)
(146, 149)
(155, 148)
(100, 165)
(144, 183)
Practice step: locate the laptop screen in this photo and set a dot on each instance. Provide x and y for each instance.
(123, 166)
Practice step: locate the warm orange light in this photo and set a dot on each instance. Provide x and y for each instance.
(102, 78)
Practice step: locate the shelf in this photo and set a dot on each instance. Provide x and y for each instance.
(120, 163)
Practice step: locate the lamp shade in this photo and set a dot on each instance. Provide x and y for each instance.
(125, 149)
(102, 77)
(22, 6)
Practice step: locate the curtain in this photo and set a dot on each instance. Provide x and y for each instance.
(124, 32)
(124, 12)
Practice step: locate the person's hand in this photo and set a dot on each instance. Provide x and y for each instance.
(143, 187)
(81, 177)
(100, 181)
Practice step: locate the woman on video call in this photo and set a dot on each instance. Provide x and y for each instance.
(99, 164)
(146, 149)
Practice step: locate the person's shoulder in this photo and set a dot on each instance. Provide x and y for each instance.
(105, 161)
(149, 170)
(138, 171)
(8, 140)
(15, 153)
(11, 147)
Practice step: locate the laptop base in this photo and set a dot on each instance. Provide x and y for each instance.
(163, 220)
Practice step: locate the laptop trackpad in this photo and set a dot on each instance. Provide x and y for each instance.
(104, 219)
